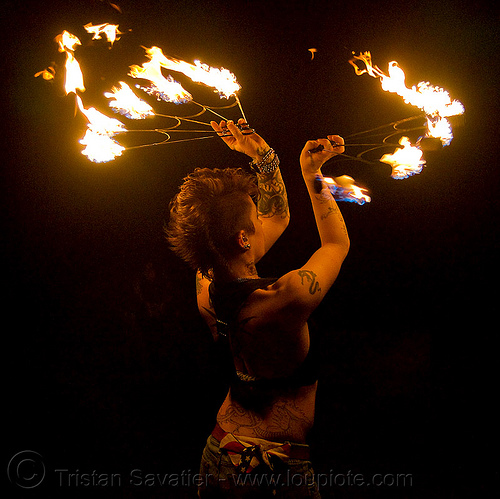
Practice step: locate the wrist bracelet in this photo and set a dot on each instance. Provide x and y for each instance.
(263, 166)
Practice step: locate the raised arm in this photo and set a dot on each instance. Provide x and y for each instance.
(300, 291)
(329, 220)
(272, 205)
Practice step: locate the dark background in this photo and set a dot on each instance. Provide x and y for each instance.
(109, 367)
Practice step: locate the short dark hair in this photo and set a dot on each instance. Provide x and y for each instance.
(207, 212)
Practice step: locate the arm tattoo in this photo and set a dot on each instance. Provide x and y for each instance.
(323, 198)
(310, 277)
(273, 200)
(331, 210)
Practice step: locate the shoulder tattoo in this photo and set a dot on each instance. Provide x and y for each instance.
(309, 277)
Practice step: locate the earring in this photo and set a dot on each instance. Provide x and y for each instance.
(247, 246)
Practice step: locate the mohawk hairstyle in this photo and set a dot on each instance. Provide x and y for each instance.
(206, 213)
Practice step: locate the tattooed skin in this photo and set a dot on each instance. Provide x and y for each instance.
(286, 415)
(324, 198)
(331, 211)
(273, 200)
(199, 285)
(309, 277)
(284, 418)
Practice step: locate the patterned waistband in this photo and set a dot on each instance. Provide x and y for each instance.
(246, 453)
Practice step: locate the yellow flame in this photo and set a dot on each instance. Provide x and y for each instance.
(405, 161)
(67, 41)
(73, 80)
(100, 123)
(440, 128)
(366, 58)
(434, 101)
(166, 88)
(110, 30)
(74, 77)
(350, 191)
(46, 74)
(126, 102)
(219, 78)
(99, 146)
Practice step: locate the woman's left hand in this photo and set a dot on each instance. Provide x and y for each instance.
(252, 144)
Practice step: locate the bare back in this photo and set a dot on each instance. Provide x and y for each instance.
(263, 348)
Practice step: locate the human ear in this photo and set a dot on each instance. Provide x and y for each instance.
(243, 240)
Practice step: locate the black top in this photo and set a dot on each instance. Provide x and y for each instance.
(228, 300)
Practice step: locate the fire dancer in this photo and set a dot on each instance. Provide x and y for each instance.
(222, 223)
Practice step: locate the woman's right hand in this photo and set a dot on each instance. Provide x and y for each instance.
(251, 144)
(311, 162)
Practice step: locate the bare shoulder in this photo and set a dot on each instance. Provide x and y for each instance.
(299, 292)
(287, 302)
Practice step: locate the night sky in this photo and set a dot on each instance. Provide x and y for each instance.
(109, 367)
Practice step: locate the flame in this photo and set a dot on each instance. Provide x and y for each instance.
(162, 88)
(127, 103)
(74, 78)
(67, 41)
(100, 147)
(434, 101)
(47, 73)
(440, 128)
(110, 30)
(221, 79)
(405, 161)
(344, 189)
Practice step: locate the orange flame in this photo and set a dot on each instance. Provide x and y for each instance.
(99, 146)
(110, 30)
(166, 89)
(67, 41)
(345, 189)
(221, 79)
(100, 123)
(434, 101)
(73, 80)
(74, 77)
(405, 161)
(47, 73)
(124, 101)
(440, 128)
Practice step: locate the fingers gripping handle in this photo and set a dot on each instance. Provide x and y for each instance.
(321, 147)
(244, 128)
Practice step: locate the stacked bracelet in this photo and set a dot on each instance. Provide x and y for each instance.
(265, 166)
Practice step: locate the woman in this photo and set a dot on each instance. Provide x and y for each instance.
(222, 223)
